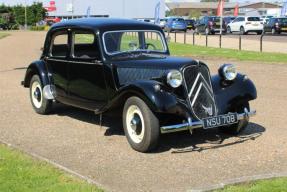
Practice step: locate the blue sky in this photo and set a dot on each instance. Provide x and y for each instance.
(12, 2)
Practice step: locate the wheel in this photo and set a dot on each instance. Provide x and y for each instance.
(260, 33)
(141, 126)
(229, 30)
(241, 125)
(196, 30)
(207, 31)
(40, 104)
(242, 31)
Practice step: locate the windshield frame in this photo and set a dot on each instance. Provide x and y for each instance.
(163, 41)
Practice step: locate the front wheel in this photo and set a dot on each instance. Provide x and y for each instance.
(40, 104)
(140, 124)
(229, 30)
(237, 128)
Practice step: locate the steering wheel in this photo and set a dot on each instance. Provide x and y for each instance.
(150, 44)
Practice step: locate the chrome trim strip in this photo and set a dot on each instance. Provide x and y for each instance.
(79, 62)
(190, 125)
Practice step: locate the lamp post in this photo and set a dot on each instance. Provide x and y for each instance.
(25, 26)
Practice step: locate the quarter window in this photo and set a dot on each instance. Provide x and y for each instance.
(59, 46)
(85, 45)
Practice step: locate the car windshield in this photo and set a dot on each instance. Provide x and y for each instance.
(118, 42)
(253, 19)
(214, 19)
(178, 19)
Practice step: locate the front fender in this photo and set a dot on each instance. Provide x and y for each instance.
(37, 67)
(229, 95)
(159, 100)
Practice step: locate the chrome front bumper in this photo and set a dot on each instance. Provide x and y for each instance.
(190, 125)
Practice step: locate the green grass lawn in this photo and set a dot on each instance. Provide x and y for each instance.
(201, 51)
(269, 185)
(21, 173)
(2, 35)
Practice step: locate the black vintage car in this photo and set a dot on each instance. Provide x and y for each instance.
(105, 65)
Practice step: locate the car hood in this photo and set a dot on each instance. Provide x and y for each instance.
(148, 68)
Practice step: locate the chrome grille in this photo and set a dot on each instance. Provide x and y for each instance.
(199, 90)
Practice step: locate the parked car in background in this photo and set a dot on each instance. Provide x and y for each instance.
(162, 23)
(190, 24)
(244, 25)
(228, 19)
(265, 19)
(100, 65)
(209, 25)
(276, 25)
(175, 24)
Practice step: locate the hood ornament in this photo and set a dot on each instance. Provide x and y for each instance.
(208, 110)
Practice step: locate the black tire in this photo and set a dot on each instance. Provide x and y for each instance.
(228, 30)
(40, 104)
(149, 128)
(241, 125)
(242, 31)
(260, 33)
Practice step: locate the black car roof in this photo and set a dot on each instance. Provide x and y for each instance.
(107, 24)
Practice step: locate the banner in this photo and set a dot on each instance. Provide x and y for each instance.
(157, 13)
(236, 10)
(220, 8)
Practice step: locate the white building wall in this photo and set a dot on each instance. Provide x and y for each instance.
(113, 8)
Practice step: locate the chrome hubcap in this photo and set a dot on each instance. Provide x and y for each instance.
(135, 124)
(36, 94)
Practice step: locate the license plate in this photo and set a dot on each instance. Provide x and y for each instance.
(220, 120)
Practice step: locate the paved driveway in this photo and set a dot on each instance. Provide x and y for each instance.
(73, 138)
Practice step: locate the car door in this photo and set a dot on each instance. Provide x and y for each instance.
(86, 86)
(200, 25)
(56, 61)
(232, 24)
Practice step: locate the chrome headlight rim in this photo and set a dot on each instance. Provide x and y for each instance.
(174, 78)
(229, 72)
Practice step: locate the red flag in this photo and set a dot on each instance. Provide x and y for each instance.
(220, 8)
(236, 10)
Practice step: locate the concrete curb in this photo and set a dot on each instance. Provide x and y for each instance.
(59, 166)
(239, 180)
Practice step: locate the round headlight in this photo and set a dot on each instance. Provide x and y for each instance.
(228, 71)
(174, 78)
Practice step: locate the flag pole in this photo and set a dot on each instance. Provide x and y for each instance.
(221, 13)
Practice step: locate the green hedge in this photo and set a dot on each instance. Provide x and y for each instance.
(37, 28)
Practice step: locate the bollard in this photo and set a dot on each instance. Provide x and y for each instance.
(220, 38)
(206, 40)
(261, 42)
(184, 38)
(240, 42)
(175, 36)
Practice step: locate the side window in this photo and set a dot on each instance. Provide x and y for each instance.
(85, 45)
(59, 45)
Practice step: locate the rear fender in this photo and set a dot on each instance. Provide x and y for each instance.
(229, 95)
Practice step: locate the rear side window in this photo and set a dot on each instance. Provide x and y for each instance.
(85, 45)
(253, 19)
(59, 46)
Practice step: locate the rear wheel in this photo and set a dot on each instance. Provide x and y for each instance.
(141, 126)
(242, 31)
(229, 30)
(241, 125)
(40, 104)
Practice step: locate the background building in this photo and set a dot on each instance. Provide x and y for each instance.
(108, 8)
(210, 8)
